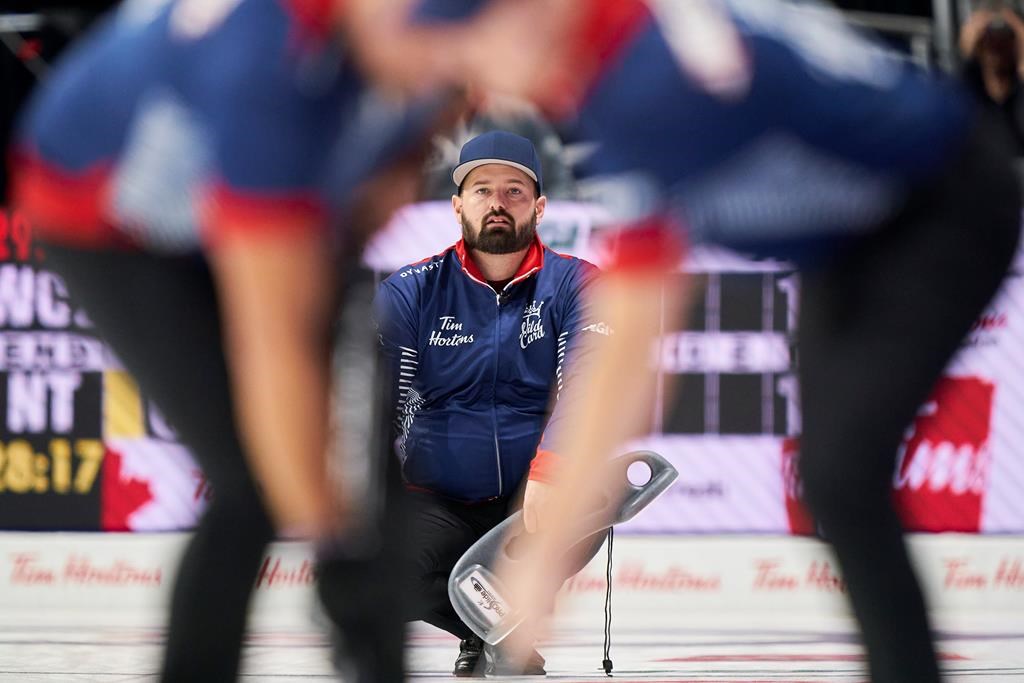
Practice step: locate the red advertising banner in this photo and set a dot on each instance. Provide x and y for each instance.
(943, 463)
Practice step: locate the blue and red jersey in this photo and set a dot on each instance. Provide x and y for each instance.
(476, 371)
(766, 126)
(763, 125)
(165, 124)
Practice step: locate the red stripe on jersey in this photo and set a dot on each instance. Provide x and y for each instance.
(603, 29)
(654, 244)
(315, 17)
(229, 214)
(64, 207)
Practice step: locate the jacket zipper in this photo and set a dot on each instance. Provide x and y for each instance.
(497, 354)
(494, 388)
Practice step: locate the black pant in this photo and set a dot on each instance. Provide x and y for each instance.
(160, 317)
(442, 531)
(877, 328)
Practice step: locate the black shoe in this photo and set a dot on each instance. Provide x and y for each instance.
(467, 664)
(499, 665)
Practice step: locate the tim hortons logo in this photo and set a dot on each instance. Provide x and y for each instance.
(990, 321)
(941, 473)
(27, 568)
(274, 572)
(450, 333)
(942, 467)
(800, 521)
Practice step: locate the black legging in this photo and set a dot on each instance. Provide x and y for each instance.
(160, 316)
(877, 327)
(442, 531)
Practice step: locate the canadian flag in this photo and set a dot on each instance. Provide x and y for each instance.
(150, 485)
(942, 466)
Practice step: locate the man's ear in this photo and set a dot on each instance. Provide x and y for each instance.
(457, 207)
(542, 203)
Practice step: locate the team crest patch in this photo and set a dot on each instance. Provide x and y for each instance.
(533, 325)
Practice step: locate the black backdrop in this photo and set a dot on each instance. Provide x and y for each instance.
(19, 50)
(921, 8)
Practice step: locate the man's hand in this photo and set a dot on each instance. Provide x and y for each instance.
(535, 502)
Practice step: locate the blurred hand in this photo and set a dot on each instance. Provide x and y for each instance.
(1010, 16)
(519, 48)
(972, 30)
(535, 502)
(513, 47)
(1013, 20)
(531, 583)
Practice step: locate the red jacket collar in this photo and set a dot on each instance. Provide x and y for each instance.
(532, 262)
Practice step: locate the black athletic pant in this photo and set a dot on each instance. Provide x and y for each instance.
(442, 531)
(160, 316)
(877, 327)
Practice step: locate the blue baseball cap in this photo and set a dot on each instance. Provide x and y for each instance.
(498, 147)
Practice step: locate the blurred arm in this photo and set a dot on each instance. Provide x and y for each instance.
(612, 402)
(509, 46)
(612, 406)
(578, 325)
(972, 30)
(1017, 24)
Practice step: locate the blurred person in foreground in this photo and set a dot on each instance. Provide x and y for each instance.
(477, 337)
(775, 129)
(992, 46)
(198, 169)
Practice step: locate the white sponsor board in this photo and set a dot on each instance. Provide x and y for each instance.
(726, 483)
(656, 575)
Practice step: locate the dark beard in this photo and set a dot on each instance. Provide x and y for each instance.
(500, 240)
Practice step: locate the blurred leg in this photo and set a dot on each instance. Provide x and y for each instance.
(364, 592)
(362, 575)
(160, 316)
(877, 329)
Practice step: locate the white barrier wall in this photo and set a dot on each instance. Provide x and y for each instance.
(121, 574)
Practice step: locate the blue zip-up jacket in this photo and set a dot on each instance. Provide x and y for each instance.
(475, 370)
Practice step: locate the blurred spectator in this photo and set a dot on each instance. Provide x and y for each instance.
(991, 42)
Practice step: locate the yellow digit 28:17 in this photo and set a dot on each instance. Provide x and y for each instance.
(64, 469)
